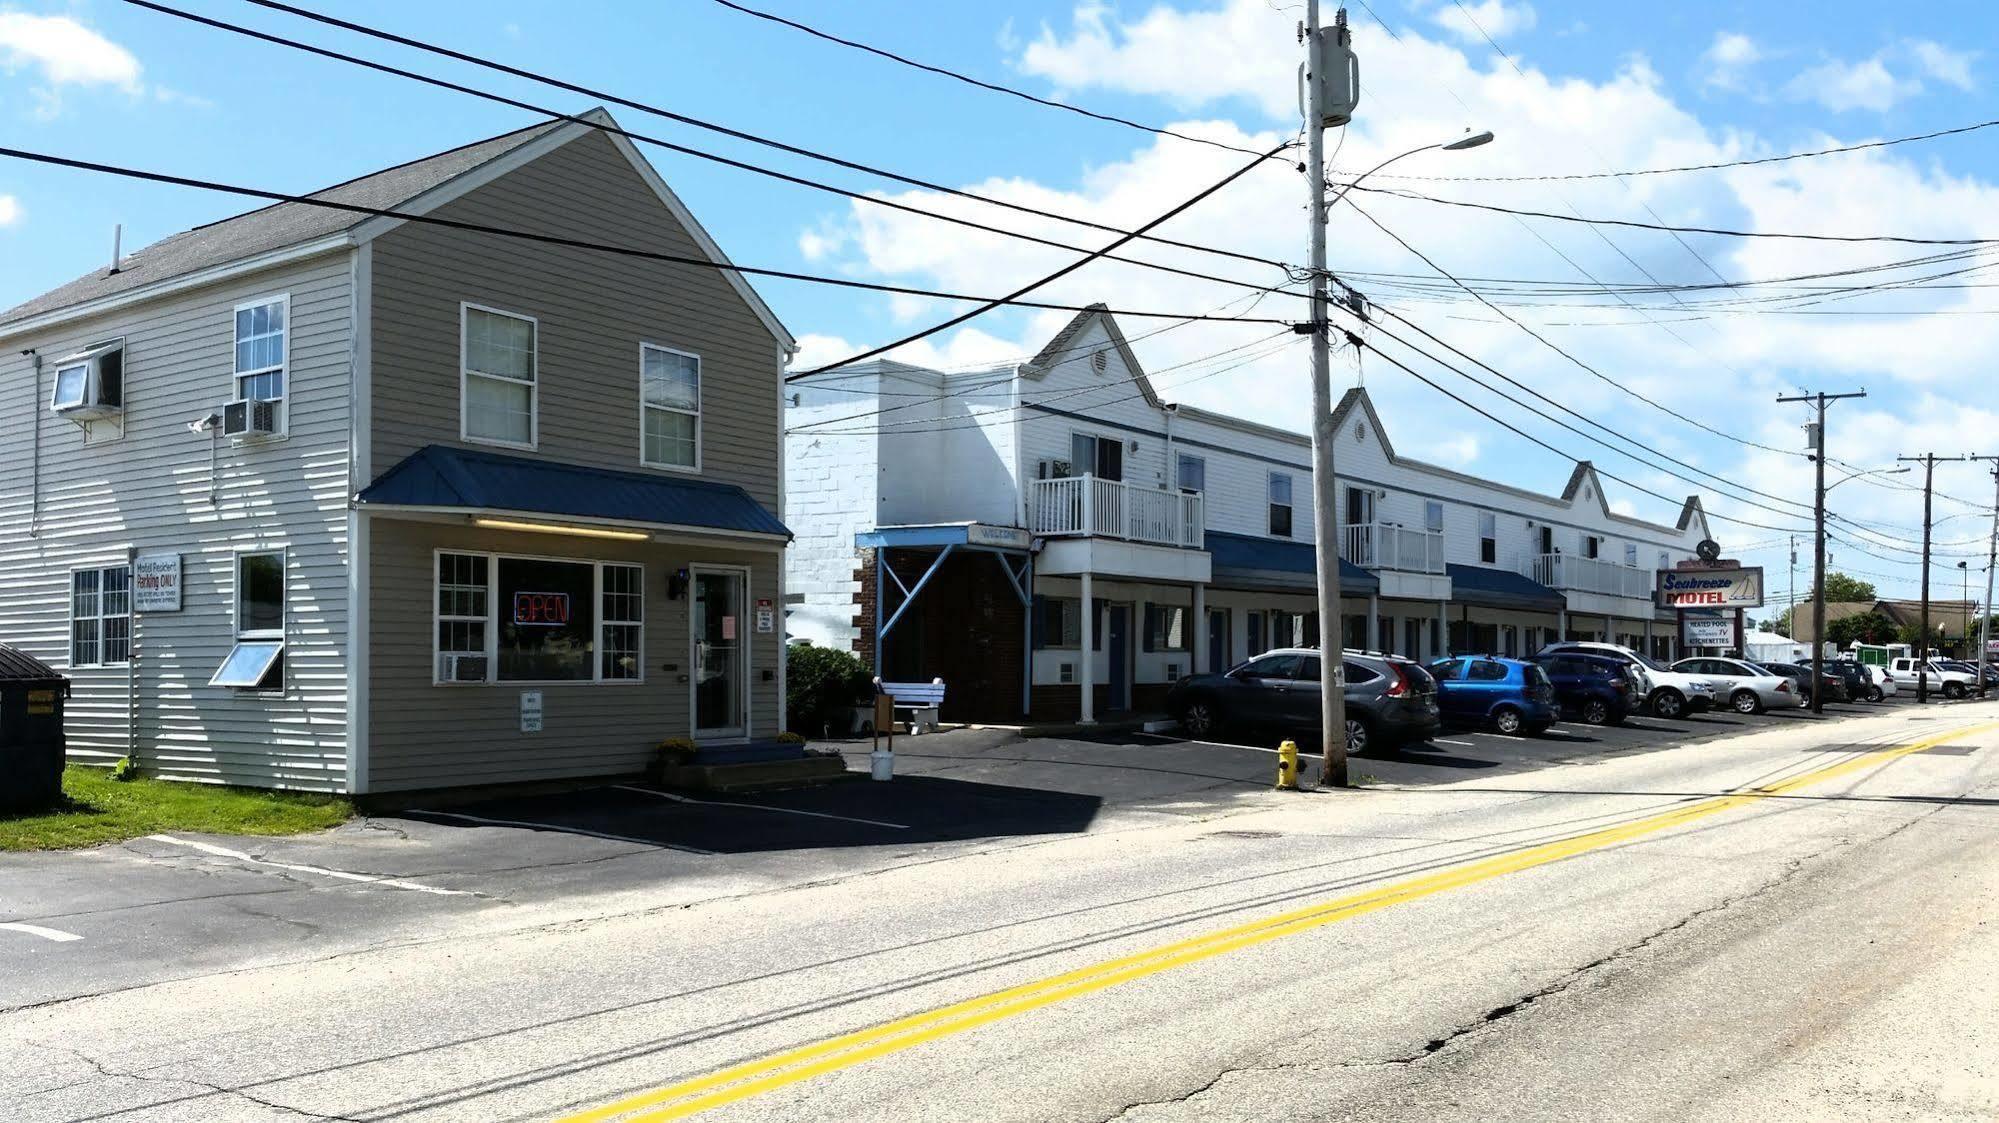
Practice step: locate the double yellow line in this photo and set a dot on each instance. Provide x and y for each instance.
(753, 1078)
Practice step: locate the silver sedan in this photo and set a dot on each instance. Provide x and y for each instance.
(1743, 686)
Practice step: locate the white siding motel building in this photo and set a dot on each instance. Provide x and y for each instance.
(1055, 541)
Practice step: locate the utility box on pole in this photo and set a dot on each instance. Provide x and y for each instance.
(1333, 68)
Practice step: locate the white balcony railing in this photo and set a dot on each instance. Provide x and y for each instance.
(1087, 506)
(1591, 575)
(1379, 546)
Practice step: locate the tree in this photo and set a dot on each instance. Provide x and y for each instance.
(818, 683)
(1840, 587)
(1868, 627)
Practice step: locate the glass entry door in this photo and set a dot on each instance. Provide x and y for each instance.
(719, 666)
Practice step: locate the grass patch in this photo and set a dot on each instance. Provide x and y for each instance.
(97, 809)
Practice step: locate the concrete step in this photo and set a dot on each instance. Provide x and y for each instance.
(754, 776)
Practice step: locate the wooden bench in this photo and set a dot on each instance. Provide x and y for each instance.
(921, 699)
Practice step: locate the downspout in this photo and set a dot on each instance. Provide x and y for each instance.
(131, 652)
(35, 425)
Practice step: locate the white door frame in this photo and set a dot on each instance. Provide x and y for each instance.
(740, 731)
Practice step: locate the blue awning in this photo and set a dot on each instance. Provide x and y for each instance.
(437, 476)
(1244, 561)
(1499, 588)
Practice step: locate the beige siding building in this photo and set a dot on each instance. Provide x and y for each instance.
(359, 502)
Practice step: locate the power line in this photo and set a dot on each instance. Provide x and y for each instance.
(1901, 239)
(971, 81)
(740, 165)
(1048, 279)
(1719, 165)
(599, 247)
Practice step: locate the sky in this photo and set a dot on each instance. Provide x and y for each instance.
(1581, 89)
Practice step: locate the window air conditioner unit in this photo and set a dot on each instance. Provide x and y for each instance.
(1052, 470)
(90, 384)
(464, 668)
(249, 418)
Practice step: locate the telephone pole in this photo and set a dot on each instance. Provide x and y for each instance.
(1815, 440)
(1929, 462)
(1324, 50)
(1991, 558)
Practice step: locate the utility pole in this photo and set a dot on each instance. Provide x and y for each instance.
(1815, 440)
(1991, 561)
(1794, 588)
(1324, 50)
(1929, 462)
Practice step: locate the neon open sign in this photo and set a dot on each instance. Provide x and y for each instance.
(547, 609)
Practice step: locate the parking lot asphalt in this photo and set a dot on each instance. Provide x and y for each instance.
(173, 906)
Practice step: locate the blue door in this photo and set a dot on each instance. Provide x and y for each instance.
(1116, 635)
(1218, 640)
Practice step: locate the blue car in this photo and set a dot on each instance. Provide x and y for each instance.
(1511, 695)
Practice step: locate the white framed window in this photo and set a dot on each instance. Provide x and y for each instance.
(263, 352)
(1280, 505)
(1192, 473)
(1488, 537)
(499, 376)
(1433, 517)
(257, 659)
(1060, 623)
(1631, 554)
(669, 407)
(1665, 560)
(100, 616)
(506, 618)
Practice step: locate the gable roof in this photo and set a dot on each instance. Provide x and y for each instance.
(1062, 348)
(416, 188)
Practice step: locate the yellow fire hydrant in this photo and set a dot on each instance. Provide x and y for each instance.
(1287, 766)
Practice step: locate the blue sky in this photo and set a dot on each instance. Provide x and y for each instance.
(1604, 85)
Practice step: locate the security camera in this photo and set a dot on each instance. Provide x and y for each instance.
(204, 424)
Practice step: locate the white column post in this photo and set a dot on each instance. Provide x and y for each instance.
(1086, 666)
(1443, 642)
(1198, 631)
(1373, 640)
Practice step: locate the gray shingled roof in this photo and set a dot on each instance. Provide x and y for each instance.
(276, 226)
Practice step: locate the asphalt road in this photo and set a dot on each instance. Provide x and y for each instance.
(1785, 919)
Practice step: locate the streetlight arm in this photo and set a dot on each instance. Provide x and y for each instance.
(1356, 180)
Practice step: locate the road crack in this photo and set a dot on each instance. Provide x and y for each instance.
(205, 1088)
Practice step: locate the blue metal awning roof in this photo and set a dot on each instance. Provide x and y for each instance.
(1499, 588)
(1245, 561)
(438, 476)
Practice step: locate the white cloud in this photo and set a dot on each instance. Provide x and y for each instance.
(1952, 68)
(10, 210)
(1841, 86)
(65, 52)
(1455, 452)
(1497, 19)
(1727, 60)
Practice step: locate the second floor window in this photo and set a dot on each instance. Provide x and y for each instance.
(1631, 555)
(260, 351)
(669, 407)
(1102, 457)
(1193, 474)
(1488, 537)
(498, 353)
(1280, 505)
(1592, 546)
(1433, 517)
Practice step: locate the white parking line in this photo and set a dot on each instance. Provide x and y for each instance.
(759, 807)
(1210, 744)
(54, 934)
(485, 822)
(343, 875)
(1441, 741)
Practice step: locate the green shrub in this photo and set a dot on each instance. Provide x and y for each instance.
(125, 769)
(789, 738)
(818, 683)
(675, 751)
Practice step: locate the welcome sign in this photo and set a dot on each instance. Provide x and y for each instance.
(1710, 588)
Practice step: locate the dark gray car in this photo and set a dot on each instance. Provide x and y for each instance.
(1390, 700)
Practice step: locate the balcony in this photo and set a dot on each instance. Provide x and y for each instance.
(1085, 507)
(1573, 573)
(1378, 546)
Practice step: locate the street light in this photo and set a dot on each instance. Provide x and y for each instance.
(1325, 523)
(1869, 472)
(1469, 140)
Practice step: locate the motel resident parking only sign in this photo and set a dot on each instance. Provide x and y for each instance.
(1711, 588)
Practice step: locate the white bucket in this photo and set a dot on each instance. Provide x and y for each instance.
(881, 763)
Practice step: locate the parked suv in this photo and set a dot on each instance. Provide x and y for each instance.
(1667, 693)
(1390, 700)
(1511, 695)
(1809, 679)
(1598, 689)
(1859, 684)
(1749, 688)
